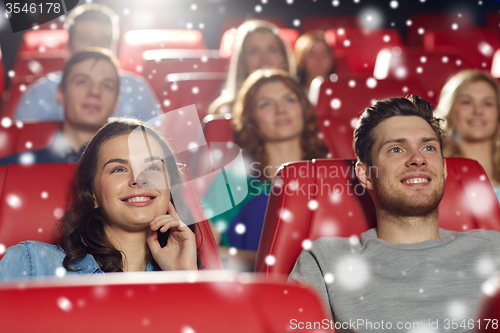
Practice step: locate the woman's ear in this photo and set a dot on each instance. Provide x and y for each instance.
(96, 205)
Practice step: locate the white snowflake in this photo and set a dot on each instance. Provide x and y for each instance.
(352, 272)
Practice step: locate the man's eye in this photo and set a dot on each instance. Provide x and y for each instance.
(395, 150)
(430, 148)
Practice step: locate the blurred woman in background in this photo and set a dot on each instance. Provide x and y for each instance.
(274, 123)
(469, 103)
(313, 57)
(257, 45)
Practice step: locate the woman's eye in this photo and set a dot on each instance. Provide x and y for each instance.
(118, 169)
(291, 100)
(264, 105)
(465, 102)
(81, 82)
(154, 167)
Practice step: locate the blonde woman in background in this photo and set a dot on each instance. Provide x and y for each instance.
(313, 57)
(469, 104)
(257, 45)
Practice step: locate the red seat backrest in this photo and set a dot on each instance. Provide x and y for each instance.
(325, 22)
(41, 52)
(477, 45)
(337, 136)
(158, 64)
(200, 88)
(360, 46)
(35, 196)
(138, 303)
(416, 64)
(347, 98)
(420, 23)
(488, 318)
(135, 42)
(344, 208)
(29, 136)
(235, 22)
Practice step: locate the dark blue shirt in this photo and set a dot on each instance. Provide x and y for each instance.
(57, 152)
(251, 216)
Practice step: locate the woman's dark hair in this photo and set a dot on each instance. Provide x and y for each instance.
(246, 131)
(387, 108)
(83, 225)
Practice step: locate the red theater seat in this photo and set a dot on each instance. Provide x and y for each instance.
(416, 64)
(337, 136)
(35, 196)
(28, 136)
(290, 36)
(235, 22)
(41, 52)
(158, 64)
(199, 88)
(488, 319)
(162, 302)
(476, 45)
(346, 99)
(325, 22)
(345, 209)
(360, 47)
(135, 42)
(218, 128)
(421, 23)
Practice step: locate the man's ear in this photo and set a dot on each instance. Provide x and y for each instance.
(364, 175)
(60, 95)
(445, 168)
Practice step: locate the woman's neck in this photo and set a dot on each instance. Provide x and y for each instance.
(280, 152)
(132, 245)
(482, 152)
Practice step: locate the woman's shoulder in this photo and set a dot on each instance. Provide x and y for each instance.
(35, 246)
(29, 259)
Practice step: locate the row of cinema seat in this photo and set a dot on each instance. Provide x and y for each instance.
(33, 197)
(442, 45)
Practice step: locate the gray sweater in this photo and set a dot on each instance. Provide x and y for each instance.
(371, 285)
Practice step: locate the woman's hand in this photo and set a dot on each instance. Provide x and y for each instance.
(180, 251)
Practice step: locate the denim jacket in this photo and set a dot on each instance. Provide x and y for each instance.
(35, 260)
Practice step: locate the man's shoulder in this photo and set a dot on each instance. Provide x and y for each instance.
(482, 235)
(132, 77)
(49, 81)
(42, 155)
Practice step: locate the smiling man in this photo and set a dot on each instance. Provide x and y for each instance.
(89, 94)
(407, 274)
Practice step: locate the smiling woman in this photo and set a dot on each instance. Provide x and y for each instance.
(470, 105)
(122, 216)
(274, 123)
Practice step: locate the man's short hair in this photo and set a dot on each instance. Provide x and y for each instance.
(93, 12)
(413, 105)
(96, 53)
